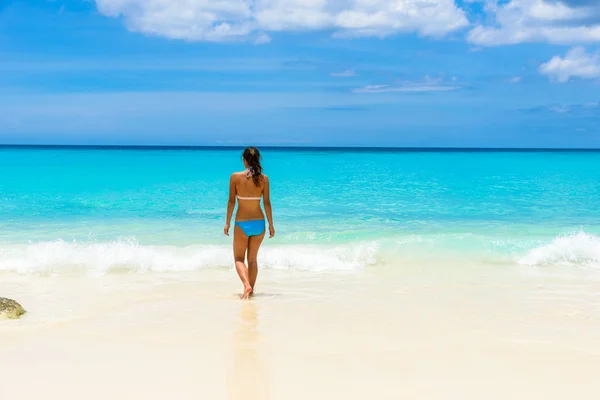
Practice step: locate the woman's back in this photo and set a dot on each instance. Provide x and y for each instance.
(249, 196)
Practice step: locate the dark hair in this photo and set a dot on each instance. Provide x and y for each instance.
(252, 157)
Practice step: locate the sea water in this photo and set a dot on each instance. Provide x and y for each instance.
(100, 210)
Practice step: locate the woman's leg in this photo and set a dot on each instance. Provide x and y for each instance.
(253, 246)
(240, 244)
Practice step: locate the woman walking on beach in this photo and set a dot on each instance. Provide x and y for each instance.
(248, 187)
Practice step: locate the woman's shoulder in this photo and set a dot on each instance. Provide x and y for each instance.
(237, 175)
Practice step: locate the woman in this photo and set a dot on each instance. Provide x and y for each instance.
(248, 187)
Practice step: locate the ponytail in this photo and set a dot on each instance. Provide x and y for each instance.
(252, 157)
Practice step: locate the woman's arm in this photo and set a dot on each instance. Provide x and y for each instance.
(230, 204)
(268, 209)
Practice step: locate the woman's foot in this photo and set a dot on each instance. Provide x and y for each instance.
(247, 292)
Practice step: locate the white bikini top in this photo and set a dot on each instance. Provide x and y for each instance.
(249, 198)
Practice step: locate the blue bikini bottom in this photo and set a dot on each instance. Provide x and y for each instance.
(252, 228)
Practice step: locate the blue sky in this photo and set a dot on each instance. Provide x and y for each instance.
(509, 73)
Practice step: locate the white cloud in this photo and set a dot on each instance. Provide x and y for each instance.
(226, 20)
(344, 74)
(262, 38)
(515, 79)
(576, 64)
(427, 85)
(560, 109)
(553, 21)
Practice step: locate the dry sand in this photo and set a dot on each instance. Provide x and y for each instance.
(419, 334)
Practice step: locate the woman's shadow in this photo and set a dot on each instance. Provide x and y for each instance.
(247, 378)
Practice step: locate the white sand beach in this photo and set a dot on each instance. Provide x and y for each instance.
(415, 334)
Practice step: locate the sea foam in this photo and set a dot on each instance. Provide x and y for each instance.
(127, 254)
(580, 249)
(97, 258)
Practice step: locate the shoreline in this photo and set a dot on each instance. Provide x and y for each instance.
(575, 252)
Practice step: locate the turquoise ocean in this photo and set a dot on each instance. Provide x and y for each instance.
(108, 210)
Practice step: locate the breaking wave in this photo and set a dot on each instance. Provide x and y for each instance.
(55, 257)
(580, 249)
(128, 255)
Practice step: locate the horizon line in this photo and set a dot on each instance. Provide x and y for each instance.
(299, 148)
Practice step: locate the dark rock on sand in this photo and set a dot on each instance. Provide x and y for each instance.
(10, 309)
